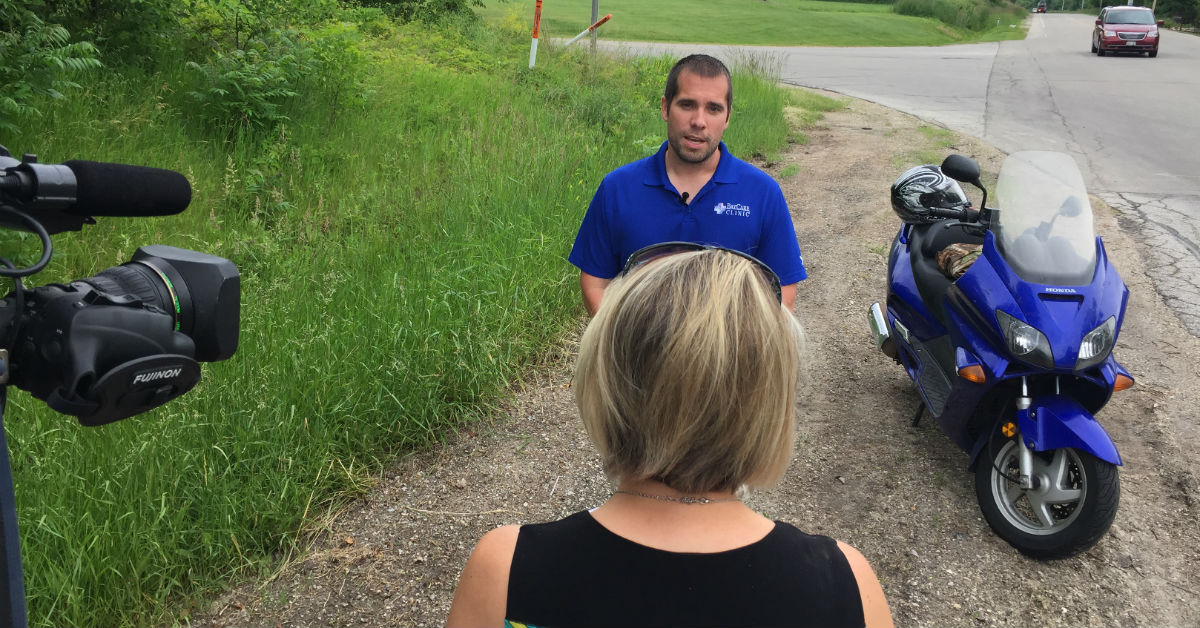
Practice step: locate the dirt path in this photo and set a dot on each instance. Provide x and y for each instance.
(861, 473)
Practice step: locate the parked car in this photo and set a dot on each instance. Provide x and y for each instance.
(1126, 29)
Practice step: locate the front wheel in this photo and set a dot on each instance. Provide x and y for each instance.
(1072, 505)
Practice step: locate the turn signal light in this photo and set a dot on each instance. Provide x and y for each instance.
(972, 373)
(1122, 382)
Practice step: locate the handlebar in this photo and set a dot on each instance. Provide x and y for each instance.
(974, 221)
(943, 212)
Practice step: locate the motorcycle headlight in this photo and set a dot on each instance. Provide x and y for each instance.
(1025, 341)
(1097, 344)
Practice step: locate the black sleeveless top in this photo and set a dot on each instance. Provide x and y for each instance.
(575, 572)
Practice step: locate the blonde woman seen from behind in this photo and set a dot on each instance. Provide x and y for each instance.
(686, 383)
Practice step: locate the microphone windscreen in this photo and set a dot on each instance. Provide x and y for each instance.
(106, 189)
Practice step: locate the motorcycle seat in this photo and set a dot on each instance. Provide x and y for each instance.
(925, 242)
(938, 235)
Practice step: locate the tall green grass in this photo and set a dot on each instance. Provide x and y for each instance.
(401, 263)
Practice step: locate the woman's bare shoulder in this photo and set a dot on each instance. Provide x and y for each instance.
(482, 594)
(875, 606)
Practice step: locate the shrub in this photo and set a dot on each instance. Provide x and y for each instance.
(424, 10)
(965, 14)
(36, 60)
(1180, 11)
(250, 89)
(127, 32)
(246, 89)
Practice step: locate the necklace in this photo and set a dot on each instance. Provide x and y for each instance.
(682, 499)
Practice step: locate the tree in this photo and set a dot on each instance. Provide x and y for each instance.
(36, 60)
(1182, 11)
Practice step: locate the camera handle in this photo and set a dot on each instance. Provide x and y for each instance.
(12, 580)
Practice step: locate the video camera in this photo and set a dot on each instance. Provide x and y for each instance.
(130, 338)
(110, 346)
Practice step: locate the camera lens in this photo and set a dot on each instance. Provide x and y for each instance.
(140, 281)
(208, 291)
(202, 292)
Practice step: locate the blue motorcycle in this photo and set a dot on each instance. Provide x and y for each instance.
(1009, 341)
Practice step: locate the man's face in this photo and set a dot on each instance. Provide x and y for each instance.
(698, 116)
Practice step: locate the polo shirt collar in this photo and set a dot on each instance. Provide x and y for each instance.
(657, 175)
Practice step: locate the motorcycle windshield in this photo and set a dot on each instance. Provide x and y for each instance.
(1045, 225)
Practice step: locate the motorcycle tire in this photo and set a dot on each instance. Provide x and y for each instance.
(1070, 510)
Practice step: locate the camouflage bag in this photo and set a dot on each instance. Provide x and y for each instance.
(955, 259)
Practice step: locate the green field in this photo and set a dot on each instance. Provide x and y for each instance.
(776, 23)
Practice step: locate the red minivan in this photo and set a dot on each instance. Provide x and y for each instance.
(1126, 29)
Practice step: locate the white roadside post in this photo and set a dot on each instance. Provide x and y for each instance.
(537, 23)
(590, 29)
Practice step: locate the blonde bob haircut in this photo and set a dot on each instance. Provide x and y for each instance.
(688, 375)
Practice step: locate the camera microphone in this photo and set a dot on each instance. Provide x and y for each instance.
(107, 189)
(66, 196)
(95, 188)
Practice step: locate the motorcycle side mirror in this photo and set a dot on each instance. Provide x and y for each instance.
(965, 169)
(1071, 207)
(962, 168)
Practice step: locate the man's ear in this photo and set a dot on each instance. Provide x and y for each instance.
(663, 100)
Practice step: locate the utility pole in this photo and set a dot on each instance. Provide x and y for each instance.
(595, 16)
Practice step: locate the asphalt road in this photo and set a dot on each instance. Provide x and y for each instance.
(1130, 121)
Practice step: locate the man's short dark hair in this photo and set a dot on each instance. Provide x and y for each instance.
(702, 65)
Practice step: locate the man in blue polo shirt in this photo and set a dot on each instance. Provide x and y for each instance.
(693, 189)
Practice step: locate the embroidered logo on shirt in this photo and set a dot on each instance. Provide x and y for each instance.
(732, 209)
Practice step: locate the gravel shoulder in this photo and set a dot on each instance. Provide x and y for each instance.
(861, 473)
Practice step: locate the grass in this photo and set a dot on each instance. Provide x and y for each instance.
(776, 23)
(401, 264)
(931, 151)
(1007, 29)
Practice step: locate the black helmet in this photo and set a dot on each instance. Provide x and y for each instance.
(923, 187)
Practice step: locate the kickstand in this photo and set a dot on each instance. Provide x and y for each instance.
(917, 416)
